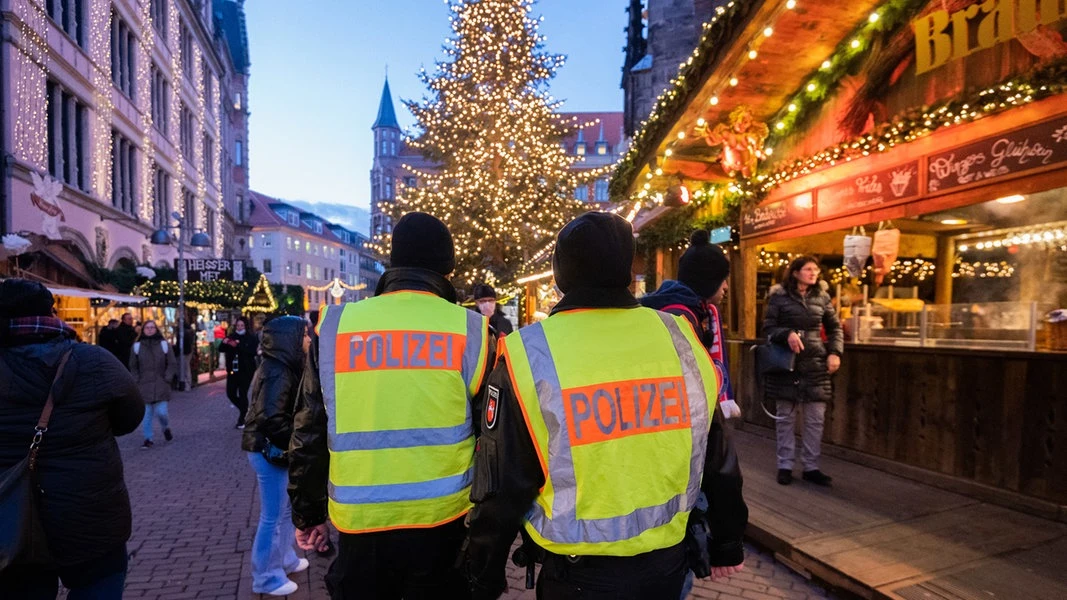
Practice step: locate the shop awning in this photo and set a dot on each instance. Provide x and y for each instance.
(98, 294)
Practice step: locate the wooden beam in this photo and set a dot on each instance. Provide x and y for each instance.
(946, 264)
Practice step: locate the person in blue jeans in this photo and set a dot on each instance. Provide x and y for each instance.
(268, 427)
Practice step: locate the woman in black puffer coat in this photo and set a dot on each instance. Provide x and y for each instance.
(796, 313)
(85, 508)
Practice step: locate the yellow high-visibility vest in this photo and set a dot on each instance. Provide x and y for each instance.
(619, 404)
(398, 372)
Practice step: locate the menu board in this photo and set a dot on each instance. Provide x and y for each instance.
(776, 215)
(870, 190)
(998, 156)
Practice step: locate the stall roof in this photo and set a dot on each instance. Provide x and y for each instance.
(801, 39)
(98, 294)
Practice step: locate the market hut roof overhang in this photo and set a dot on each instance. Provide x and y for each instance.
(754, 53)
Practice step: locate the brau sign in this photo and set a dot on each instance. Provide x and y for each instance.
(942, 36)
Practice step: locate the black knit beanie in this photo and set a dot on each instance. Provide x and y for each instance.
(422, 241)
(704, 266)
(24, 298)
(596, 250)
(483, 291)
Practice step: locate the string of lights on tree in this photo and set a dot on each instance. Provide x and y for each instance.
(262, 298)
(217, 294)
(503, 182)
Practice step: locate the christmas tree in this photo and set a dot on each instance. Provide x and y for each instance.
(503, 182)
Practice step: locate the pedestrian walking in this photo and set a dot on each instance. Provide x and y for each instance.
(703, 273)
(108, 337)
(268, 428)
(153, 365)
(84, 508)
(485, 300)
(798, 310)
(240, 349)
(125, 335)
(385, 430)
(595, 435)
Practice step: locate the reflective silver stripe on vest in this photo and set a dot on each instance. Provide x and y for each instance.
(471, 352)
(565, 527)
(398, 438)
(698, 406)
(398, 492)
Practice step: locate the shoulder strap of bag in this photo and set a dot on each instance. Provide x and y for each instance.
(46, 414)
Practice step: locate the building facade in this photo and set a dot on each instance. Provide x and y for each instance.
(598, 142)
(296, 247)
(118, 113)
(660, 34)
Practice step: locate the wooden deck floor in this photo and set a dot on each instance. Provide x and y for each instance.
(882, 536)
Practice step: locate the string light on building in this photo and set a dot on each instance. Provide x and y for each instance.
(1046, 237)
(146, 44)
(30, 93)
(100, 51)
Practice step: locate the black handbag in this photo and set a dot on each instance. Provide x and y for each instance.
(774, 359)
(22, 538)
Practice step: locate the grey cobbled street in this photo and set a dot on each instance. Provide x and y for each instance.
(195, 511)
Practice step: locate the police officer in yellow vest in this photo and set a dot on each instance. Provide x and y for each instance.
(384, 436)
(595, 434)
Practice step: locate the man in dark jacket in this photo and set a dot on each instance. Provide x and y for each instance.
(485, 301)
(702, 282)
(108, 338)
(125, 336)
(393, 558)
(592, 267)
(240, 349)
(85, 508)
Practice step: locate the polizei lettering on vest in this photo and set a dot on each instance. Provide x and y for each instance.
(378, 350)
(621, 408)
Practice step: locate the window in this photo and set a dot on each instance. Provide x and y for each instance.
(298, 271)
(185, 39)
(602, 148)
(124, 166)
(288, 242)
(237, 101)
(209, 89)
(294, 220)
(159, 17)
(189, 214)
(601, 190)
(289, 267)
(251, 241)
(267, 267)
(68, 152)
(267, 239)
(210, 212)
(389, 187)
(582, 193)
(187, 133)
(238, 157)
(411, 182)
(123, 49)
(161, 199)
(160, 100)
(318, 227)
(71, 18)
(242, 208)
(308, 274)
(579, 148)
(209, 158)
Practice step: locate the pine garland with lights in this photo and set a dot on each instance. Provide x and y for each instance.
(504, 182)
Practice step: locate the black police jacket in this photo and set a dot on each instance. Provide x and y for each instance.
(508, 474)
(309, 457)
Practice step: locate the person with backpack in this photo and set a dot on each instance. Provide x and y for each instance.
(153, 365)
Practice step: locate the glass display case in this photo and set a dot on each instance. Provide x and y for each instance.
(979, 325)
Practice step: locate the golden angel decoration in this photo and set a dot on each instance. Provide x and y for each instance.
(741, 140)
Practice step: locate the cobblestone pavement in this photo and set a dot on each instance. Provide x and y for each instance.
(195, 510)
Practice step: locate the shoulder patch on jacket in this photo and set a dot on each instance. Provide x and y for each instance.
(492, 406)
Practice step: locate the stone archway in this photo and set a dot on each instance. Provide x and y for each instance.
(123, 254)
(80, 242)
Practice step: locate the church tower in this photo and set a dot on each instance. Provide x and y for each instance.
(383, 175)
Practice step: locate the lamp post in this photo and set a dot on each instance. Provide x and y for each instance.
(162, 237)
